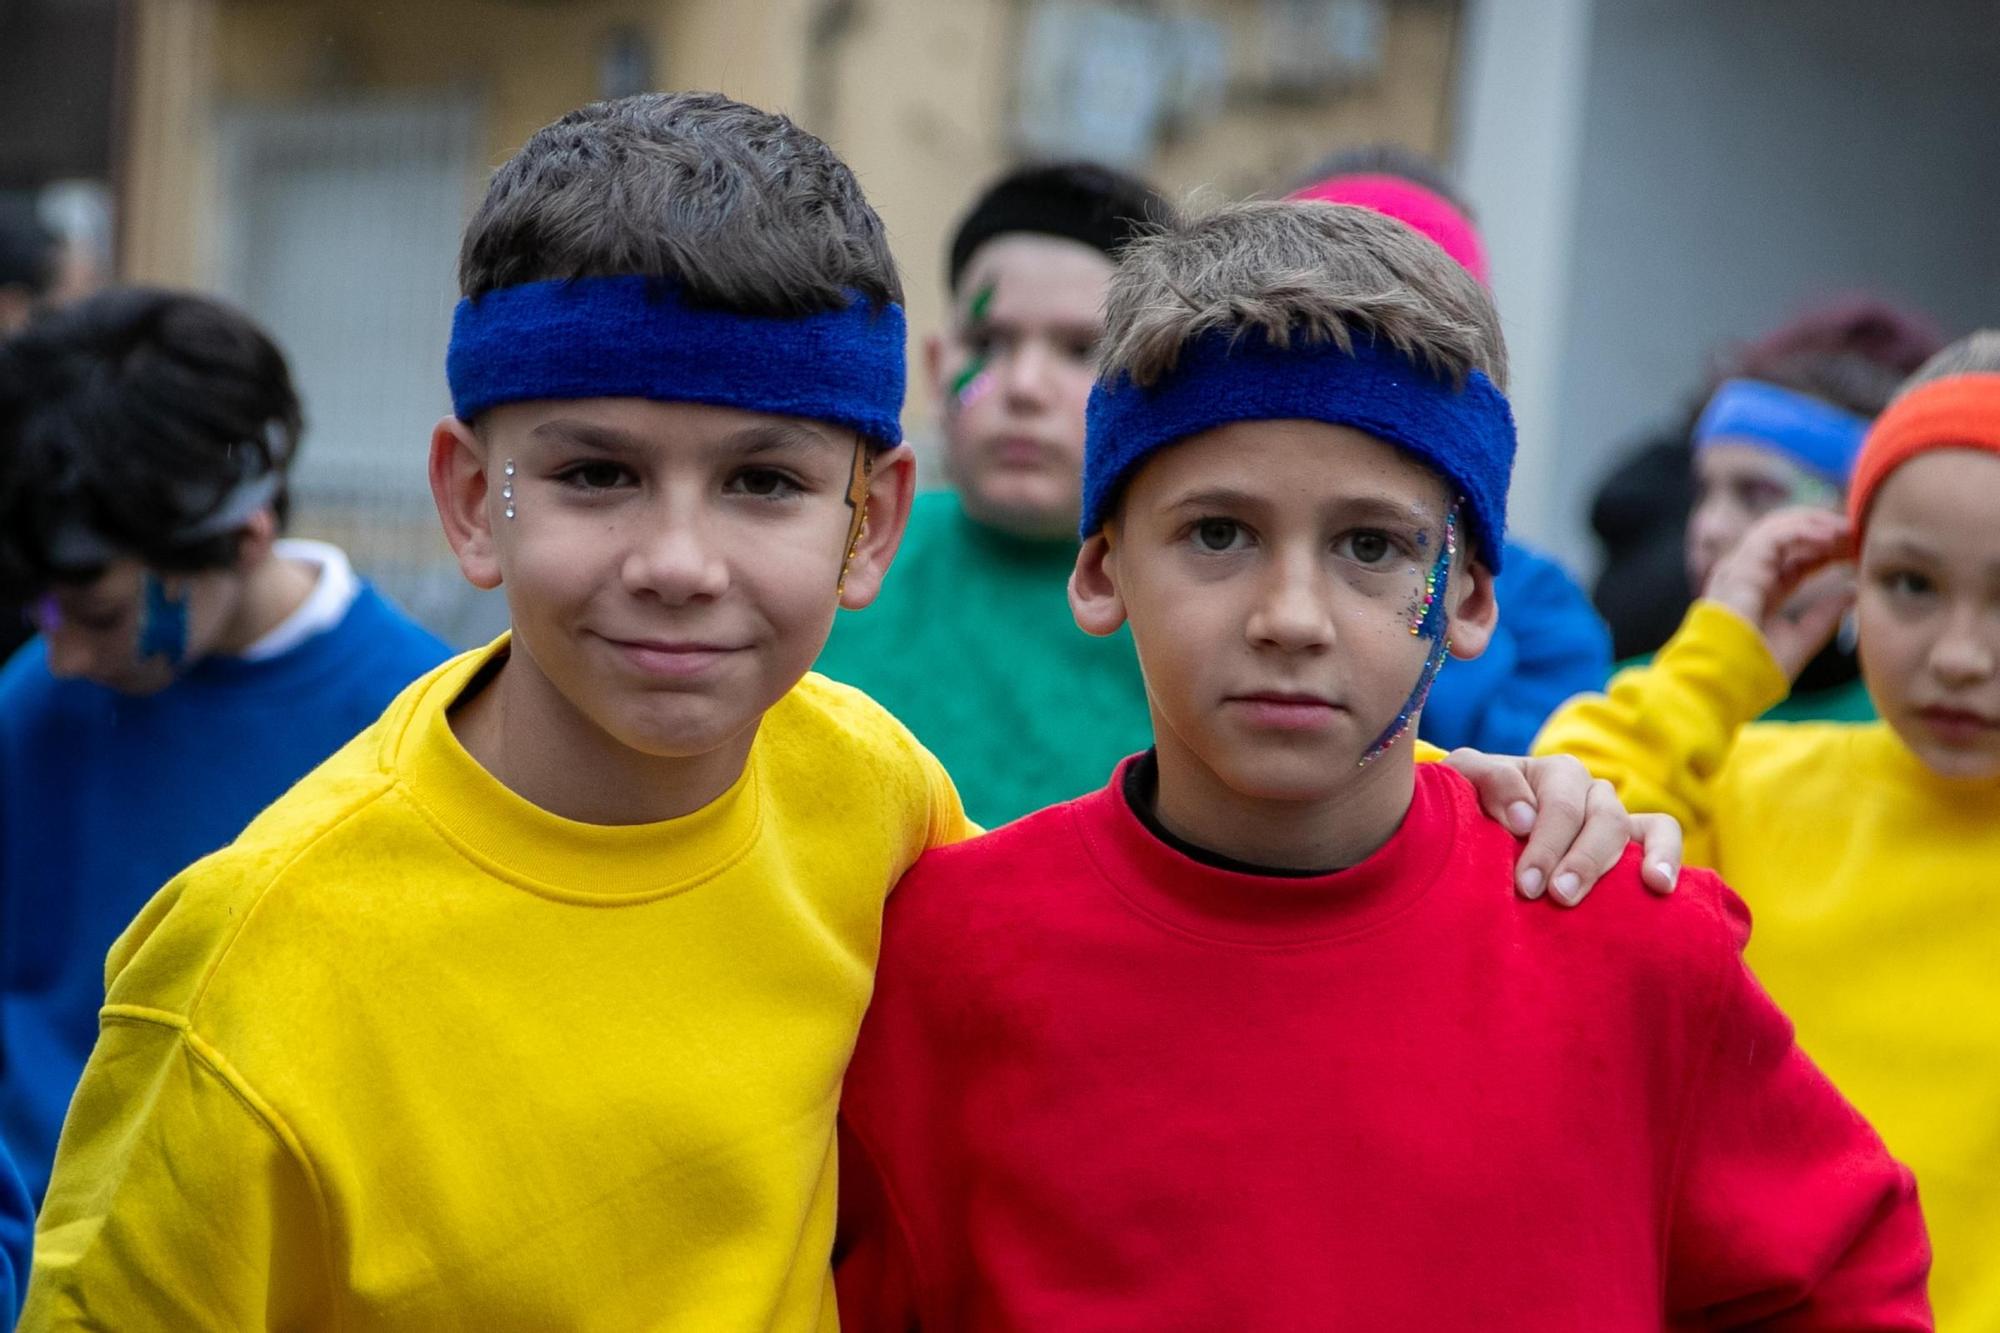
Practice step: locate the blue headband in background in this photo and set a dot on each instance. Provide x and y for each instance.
(1813, 434)
(1464, 433)
(636, 337)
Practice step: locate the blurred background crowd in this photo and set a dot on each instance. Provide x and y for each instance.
(1664, 187)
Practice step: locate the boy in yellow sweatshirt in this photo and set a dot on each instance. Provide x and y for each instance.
(1869, 852)
(529, 1009)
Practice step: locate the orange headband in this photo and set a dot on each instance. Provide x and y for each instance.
(1957, 412)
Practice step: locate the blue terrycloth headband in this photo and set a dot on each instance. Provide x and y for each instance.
(1466, 434)
(1811, 433)
(635, 337)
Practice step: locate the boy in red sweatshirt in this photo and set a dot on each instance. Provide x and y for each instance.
(1254, 1038)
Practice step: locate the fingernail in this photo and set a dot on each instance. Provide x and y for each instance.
(1667, 872)
(1566, 887)
(1531, 883)
(1520, 816)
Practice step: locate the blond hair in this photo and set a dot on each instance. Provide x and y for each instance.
(1977, 353)
(1318, 272)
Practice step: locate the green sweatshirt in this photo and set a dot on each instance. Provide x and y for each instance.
(972, 645)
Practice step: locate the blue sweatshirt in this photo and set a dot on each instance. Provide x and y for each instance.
(105, 797)
(1550, 645)
(17, 1222)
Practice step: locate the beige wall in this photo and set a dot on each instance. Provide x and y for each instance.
(914, 93)
(528, 62)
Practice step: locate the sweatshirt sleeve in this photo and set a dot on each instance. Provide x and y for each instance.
(1661, 734)
(179, 1199)
(1788, 1212)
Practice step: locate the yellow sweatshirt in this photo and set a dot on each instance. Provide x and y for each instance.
(415, 1054)
(1876, 888)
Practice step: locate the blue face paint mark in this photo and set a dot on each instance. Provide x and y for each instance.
(1431, 623)
(163, 630)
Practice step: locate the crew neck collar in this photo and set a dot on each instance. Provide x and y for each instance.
(1232, 906)
(563, 859)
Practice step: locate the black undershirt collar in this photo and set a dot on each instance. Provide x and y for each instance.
(1141, 789)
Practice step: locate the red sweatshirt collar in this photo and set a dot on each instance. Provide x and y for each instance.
(1233, 908)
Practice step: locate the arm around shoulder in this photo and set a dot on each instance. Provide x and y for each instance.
(179, 1199)
(1788, 1211)
(1661, 734)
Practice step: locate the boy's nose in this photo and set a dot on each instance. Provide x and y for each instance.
(679, 564)
(1967, 652)
(1024, 373)
(1291, 615)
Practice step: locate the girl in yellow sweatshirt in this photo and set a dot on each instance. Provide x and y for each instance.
(1869, 852)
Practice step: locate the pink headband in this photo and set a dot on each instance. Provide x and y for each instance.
(1407, 202)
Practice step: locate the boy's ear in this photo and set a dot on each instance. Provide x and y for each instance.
(253, 548)
(1093, 587)
(1475, 610)
(892, 485)
(934, 366)
(458, 485)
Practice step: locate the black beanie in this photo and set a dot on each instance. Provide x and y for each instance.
(1078, 201)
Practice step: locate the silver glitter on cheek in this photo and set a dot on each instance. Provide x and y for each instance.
(507, 491)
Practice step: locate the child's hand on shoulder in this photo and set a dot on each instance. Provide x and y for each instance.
(1573, 826)
(1791, 576)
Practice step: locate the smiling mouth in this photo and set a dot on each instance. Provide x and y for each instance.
(673, 659)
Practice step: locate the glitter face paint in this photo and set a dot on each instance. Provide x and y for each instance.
(1429, 619)
(163, 625)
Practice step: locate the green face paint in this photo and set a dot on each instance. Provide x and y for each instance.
(982, 301)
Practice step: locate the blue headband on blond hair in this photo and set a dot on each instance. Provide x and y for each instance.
(1814, 434)
(1464, 432)
(636, 337)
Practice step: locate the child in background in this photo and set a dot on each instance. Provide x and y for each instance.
(192, 664)
(1029, 709)
(1787, 438)
(1550, 643)
(1641, 511)
(1250, 1038)
(1867, 851)
(529, 1008)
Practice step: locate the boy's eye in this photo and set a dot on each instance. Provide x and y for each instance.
(1760, 496)
(1366, 547)
(1080, 350)
(596, 475)
(1217, 534)
(765, 483)
(1907, 583)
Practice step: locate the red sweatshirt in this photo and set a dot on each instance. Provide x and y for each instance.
(1104, 1086)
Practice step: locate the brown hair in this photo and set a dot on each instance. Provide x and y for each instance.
(1320, 272)
(740, 207)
